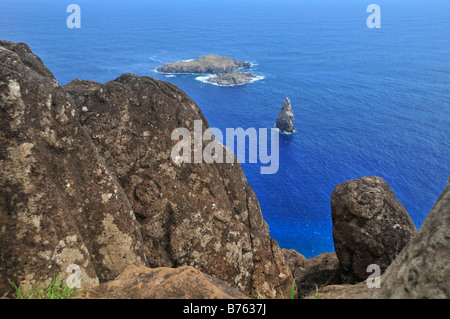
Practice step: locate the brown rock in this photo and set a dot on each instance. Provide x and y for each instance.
(422, 270)
(293, 259)
(164, 283)
(316, 272)
(357, 291)
(369, 226)
(59, 203)
(197, 214)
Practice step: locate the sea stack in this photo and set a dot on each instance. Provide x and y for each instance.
(285, 119)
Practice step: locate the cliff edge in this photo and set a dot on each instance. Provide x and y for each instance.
(86, 178)
(207, 64)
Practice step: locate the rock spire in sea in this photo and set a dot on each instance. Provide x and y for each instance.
(285, 119)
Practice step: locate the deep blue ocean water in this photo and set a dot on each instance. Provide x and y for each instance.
(366, 101)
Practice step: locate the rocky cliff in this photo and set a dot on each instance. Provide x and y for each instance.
(59, 203)
(86, 178)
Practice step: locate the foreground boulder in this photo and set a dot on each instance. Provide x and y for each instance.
(370, 226)
(422, 270)
(87, 178)
(164, 283)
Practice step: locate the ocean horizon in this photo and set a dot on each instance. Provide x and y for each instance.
(367, 101)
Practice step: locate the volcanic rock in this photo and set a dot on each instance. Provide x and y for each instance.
(59, 202)
(370, 226)
(422, 269)
(344, 291)
(293, 259)
(202, 215)
(184, 282)
(318, 271)
(87, 178)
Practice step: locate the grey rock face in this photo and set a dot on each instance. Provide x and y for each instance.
(422, 270)
(370, 226)
(285, 119)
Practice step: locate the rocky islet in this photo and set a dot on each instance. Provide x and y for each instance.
(223, 70)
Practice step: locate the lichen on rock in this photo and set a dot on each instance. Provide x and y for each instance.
(91, 162)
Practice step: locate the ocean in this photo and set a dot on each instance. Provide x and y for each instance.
(367, 101)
